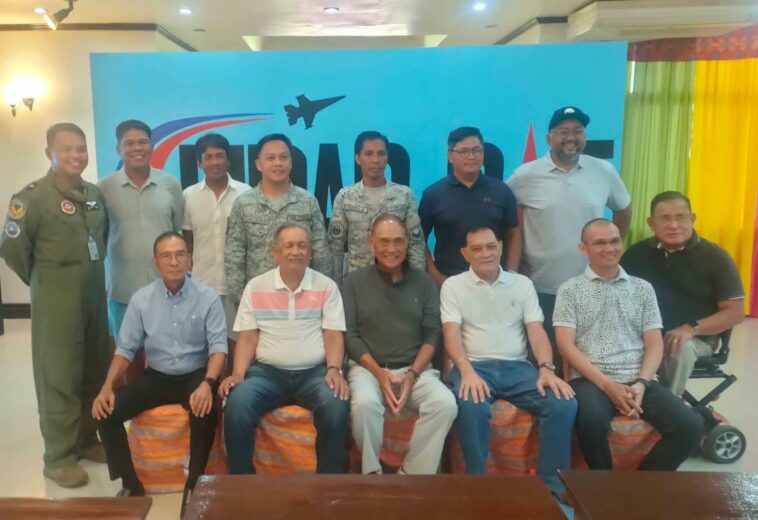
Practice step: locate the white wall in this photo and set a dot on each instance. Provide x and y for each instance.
(61, 60)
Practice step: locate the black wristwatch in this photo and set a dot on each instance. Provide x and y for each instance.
(548, 365)
(415, 374)
(213, 383)
(645, 382)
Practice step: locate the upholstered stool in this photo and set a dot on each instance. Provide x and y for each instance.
(159, 441)
(630, 439)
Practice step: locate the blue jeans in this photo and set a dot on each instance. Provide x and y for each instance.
(516, 382)
(266, 388)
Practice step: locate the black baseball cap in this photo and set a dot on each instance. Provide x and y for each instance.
(566, 113)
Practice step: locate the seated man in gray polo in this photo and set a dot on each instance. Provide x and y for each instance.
(393, 328)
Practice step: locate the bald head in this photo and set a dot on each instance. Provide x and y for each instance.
(595, 223)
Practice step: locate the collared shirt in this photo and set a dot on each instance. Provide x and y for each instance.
(250, 234)
(179, 331)
(556, 205)
(206, 216)
(689, 283)
(291, 323)
(450, 208)
(390, 320)
(352, 215)
(491, 316)
(610, 317)
(136, 217)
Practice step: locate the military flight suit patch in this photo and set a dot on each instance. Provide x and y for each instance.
(336, 229)
(16, 210)
(68, 207)
(12, 229)
(91, 205)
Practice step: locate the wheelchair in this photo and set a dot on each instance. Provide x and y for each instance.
(722, 443)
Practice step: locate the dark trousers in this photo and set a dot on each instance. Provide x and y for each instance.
(679, 426)
(547, 304)
(151, 390)
(266, 388)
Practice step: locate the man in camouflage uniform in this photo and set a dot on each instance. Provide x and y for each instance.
(257, 213)
(54, 240)
(356, 207)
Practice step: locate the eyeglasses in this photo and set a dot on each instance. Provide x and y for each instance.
(565, 132)
(681, 219)
(469, 152)
(167, 257)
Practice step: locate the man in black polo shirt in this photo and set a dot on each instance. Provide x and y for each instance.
(698, 286)
(465, 199)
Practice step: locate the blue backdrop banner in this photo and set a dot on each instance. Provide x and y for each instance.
(323, 99)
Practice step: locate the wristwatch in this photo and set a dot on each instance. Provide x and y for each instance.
(645, 382)
(334, 367)
(213, 383)
(548, 365)
(415, 374)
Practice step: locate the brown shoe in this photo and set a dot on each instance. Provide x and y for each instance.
(70, 476)
(94, 453)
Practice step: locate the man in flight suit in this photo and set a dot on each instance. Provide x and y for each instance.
(54, 240)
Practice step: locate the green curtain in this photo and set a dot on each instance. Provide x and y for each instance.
(657, 124)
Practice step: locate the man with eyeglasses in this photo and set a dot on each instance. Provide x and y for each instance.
(559, 193)
(608, 328)
(699, 289)
(466, 198)
(181, 323)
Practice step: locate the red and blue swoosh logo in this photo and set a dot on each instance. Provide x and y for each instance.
(167, 136)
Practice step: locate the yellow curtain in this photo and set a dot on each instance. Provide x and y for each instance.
(723, 169)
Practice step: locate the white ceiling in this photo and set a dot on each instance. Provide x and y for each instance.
(290, 24)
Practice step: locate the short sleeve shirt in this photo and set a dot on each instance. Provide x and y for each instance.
(556, 205)
(206, 216)
(491, 316)
(136, 217)
(610, 317)
(291, 323)
(450, 208)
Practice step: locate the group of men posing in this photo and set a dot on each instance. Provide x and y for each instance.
(296, 297)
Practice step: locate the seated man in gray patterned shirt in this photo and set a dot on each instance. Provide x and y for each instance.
(608, 328)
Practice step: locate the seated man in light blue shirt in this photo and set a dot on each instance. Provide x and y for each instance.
(182, 326)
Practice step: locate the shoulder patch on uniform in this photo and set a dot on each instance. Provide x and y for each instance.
(417, 233)
(16, 210)
(336, 229)
(31, 185)
(12, 229)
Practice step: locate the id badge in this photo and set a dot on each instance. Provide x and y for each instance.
(92, 247)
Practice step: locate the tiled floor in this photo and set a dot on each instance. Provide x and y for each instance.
(21, 444)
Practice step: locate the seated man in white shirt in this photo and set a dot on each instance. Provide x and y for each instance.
(487, 315)
(290, 351)
(608, 328)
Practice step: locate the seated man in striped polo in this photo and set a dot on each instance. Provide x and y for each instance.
(290, 351)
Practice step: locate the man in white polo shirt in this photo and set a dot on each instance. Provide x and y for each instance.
(206, 210)
(487, 315)
(290, 351)
(559, 193)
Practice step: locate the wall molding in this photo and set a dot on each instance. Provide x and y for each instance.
(153, 27)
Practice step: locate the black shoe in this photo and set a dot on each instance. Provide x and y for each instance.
(131, 492)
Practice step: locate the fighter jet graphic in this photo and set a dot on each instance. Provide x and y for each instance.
(308, 109)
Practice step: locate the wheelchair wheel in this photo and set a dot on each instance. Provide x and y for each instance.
(724, 444)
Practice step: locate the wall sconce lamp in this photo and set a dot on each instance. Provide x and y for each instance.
(23, 91)
(53, 21)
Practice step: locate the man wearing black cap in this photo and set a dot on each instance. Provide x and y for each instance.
(559, 193)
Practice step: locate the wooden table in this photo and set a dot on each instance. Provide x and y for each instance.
(662, 495)
(369, 497)
(135, 508)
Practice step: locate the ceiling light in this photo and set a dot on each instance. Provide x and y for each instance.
(55, 20)
(40, 10)
(331, 10)
(185, 11)
(480, 6)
